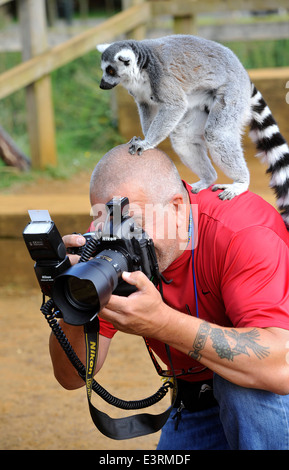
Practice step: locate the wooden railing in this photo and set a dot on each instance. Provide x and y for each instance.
(34, 72)
(43, 64)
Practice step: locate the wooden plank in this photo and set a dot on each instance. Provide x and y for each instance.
(255, 31)
(182, 7)
(34, 69)
(276, 73)
(40, 113)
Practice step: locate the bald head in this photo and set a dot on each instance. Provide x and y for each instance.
(153, 173)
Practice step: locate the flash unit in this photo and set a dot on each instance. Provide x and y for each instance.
(46, 247)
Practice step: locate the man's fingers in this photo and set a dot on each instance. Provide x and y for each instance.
(73, 259)
(136, 278)
(73, 240)
(116, 303)
(130, 314)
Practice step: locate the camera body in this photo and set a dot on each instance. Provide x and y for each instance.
(82, 290)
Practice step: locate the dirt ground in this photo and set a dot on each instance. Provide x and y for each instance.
(36, 412)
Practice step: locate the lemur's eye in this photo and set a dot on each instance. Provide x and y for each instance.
(110, 71)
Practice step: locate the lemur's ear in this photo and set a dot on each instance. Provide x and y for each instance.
(101, 47)
(125, 60)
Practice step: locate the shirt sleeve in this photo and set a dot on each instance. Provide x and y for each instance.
(106, 328)
(255, 279)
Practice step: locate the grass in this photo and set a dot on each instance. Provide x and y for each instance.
(85, 123)
(259, 54)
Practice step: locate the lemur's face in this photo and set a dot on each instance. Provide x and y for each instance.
(118, 64)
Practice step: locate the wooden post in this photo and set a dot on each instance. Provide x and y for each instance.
(185, 25)
(139, 32)
(51, 11)
(40, 113)
(126, 4)
(120, 99)
(83, 9)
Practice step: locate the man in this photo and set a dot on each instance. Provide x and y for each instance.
(225, 309)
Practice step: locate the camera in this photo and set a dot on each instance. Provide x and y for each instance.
(82, 290)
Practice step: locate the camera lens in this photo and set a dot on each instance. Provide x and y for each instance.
(81, 293)
(85, 288)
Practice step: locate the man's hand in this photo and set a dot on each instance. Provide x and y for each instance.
(73, 241)
(141, 313)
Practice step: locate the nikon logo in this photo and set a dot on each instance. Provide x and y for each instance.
(107, 258)
(90, 367)
(92, 353)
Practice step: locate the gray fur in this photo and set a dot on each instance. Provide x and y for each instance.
(194, 90)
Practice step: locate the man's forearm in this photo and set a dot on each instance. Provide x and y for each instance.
(64, 371)
(250, 357)
(228, 342)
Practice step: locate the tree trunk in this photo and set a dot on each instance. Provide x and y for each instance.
(11, 154)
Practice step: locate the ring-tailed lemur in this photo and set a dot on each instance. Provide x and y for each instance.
(197, 92)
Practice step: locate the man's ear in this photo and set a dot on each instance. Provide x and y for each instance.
(180, 208)
(102, 47)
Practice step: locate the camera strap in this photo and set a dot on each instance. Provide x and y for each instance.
(118, 428)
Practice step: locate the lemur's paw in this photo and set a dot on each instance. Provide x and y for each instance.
(134, 140)
(197, 187)
(229, 191)
(137, 145)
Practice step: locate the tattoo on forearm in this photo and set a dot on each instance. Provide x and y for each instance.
(200, 341)
(248, 340)
(228, 343)
(221, 345)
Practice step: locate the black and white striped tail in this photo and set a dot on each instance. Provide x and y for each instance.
(273, 149)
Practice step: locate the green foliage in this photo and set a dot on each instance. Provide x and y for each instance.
(259, 54)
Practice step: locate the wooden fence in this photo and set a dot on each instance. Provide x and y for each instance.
(40, 60)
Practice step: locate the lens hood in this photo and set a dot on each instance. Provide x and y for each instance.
(85, 288)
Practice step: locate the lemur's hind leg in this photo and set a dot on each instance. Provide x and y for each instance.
(223, 134)
(188, 142)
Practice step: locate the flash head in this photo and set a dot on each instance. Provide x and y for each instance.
(42, 237)
(46, 248)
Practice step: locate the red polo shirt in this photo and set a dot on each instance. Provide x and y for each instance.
(241, 270)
